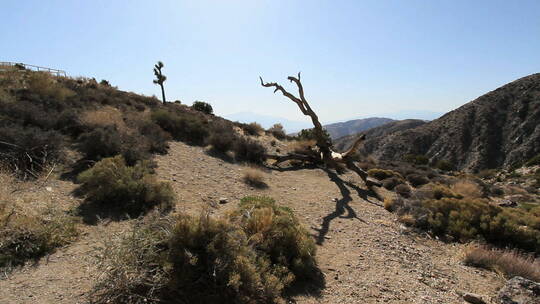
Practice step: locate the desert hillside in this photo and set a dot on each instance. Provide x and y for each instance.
(112, 197)
(341, 129)
(498, 129)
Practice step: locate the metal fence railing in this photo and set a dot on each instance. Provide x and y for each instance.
(4, 65)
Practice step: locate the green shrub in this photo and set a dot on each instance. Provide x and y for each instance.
(250, 256)
(309, 134)
(133, 190)
(202, 106)
(182, 127)
(468, 219)
(444, 165)
(100, 143)
(249, 150)
(24, 237)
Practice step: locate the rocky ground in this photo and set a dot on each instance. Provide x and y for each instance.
(365, 254)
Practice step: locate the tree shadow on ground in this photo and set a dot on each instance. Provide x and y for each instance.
(343, 210)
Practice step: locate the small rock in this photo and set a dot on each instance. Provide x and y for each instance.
(519, 291)
(223, 200)
(473, 298)
(48, 189)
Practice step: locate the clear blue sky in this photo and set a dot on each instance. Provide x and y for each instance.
(357, 58)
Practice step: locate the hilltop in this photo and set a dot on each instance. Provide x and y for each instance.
(498, 129)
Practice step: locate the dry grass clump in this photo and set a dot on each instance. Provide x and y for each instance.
(103, 117)
(26, 237)
(113, 185)
(277, 131)
(508, 262)
(249, 256)
(254, 177)
(246, 149)
(403, 190)
(467, 189)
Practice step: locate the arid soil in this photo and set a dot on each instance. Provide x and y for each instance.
(366, 256)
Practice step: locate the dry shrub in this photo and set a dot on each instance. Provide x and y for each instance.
(277, 131)
(381, 174)
(508, 262)
(253, 129)
(403, 190)
(188, 128)
(467, 189)
(249, 150)
(222, 137)
(249, 256)
(417, 180)
(441, 191)
(46, 86)
(106, 116)
(26, 237)
(254, 177)
(113, 185)
(305, 147)
(391, 183)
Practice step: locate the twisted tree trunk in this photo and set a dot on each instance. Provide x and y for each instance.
(328, 156)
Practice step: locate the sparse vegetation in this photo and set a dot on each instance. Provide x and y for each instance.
(202, 106)
(416, 159)
(251, 256)
(222, 137)
(112, 184)
(381, 174)
(25, 237)
(277, 131)
(444, 165)
(508, 262)
(246, 149)
(254, 177)
(253, 129)
(535, 161)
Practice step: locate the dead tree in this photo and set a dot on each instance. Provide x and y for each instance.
(328, 157)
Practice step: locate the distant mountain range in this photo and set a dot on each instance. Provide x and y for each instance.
(498, 129)
(340, 129)
(336, 129)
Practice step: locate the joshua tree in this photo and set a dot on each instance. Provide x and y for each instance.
(160, 78)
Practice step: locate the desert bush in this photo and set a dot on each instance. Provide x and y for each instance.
(100, 143)
(417, 180)
(254, 177)
(26, 237)
(68, 123)
(157, 138)
(253, 129)
(381, 174)
(182, 127)
(444, 165)
(46, 86)
(391, 182)
(222, 137)
(403, 190)
(249, 150)
(309, 134)
(277, 131)
(467, 189)
(134, 190)
(416, 159)
(27, 151)
(496, 190)
(510, 263)
(441, 191)
(249, 256)
(202, 106)
(104, 117)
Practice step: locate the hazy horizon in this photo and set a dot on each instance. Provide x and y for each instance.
(357, 58)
